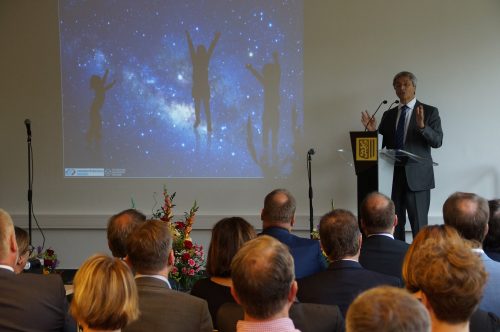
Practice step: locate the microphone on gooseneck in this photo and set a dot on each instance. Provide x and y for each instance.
(393, 103)
(311, 152)
(27, 123)
(373, 116)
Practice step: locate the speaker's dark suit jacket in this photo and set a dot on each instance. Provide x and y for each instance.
(307, 255)
(163, 309)
(383, 254)
(33, 302)
(420, 176)
(482, 321)
(413, 180)
(306, 317)
(341, 283)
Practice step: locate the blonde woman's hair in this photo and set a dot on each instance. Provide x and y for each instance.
(105, 295)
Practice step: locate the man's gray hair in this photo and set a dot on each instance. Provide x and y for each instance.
(408, 74)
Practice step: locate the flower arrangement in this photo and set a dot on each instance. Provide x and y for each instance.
(189, 264)
(49, 257)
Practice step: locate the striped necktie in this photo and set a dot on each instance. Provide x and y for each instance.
(400, 129)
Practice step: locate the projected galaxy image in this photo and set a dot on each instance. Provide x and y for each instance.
(181, 88)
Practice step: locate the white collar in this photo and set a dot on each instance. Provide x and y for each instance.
(410, 104)
(7, 267)
(383, 234)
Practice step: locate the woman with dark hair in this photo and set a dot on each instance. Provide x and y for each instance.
(491, 244)
(228, 235)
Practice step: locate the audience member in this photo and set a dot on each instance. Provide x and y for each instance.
(228, 235)
(28, 302)
(345, 277)
(468, 213)
(151, 256)
(105, 296)
(380, 252)
(491, 243)
(23, 245)
(278, 218)
(441, 271)
(119, 228)
(264, 285)
(387, 309)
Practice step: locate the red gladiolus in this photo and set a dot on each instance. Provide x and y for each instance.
(188, 244)
(186, 257)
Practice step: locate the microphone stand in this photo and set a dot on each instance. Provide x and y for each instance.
(311, 224)
(30, 187)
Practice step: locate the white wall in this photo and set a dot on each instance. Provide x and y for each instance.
(352, 50)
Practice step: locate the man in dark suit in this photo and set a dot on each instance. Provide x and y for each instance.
(380, 252)
(28, 302)
(278, 218)
(345, 277)
(468, 213)
(413, 127)
(150, 254)
(307, 317)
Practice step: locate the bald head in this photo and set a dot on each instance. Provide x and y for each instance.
(8, 245)
(119, 228)
(377, 214)
(468, 213)
(279, 208)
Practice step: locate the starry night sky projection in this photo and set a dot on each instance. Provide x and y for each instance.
(147, 115)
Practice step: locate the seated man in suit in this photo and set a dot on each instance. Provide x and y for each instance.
(384, 308)
(380, 252)
(119, 228)
(28, 302)
(261, 260)
(468, 213)
(150, 254)
(345, 277)
(264, 285)
(278, 218)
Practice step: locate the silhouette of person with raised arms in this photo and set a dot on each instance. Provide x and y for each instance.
(98, 84)
(270, 80)
(200, 59)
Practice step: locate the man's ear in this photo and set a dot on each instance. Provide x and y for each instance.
(292, 294)
(13, 244)
(395, 223)
(262, 215)
(171, 258)
(292, 222)
(235, 296)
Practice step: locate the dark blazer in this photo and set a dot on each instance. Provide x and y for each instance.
(341, 283)
(383, 254)
(420, 176)
(482, 321)
(307, 317)
(33, 302)
(307, 255)
(163, 309)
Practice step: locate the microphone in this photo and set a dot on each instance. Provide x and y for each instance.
(373, 116)
(27, 123)
(393, 103)
(310, 152)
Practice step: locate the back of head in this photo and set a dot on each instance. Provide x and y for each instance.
(119, 228)
(377, 213)
(339, 234)
(149, 247)
(6, 231)
(440, 264)
(387, 309)
(279, 207)
(105, 295)
(262, 274)
(468, 213)
(492, 239)
(228, 235)
(22, 239)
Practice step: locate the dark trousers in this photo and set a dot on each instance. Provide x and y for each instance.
(415, 202)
